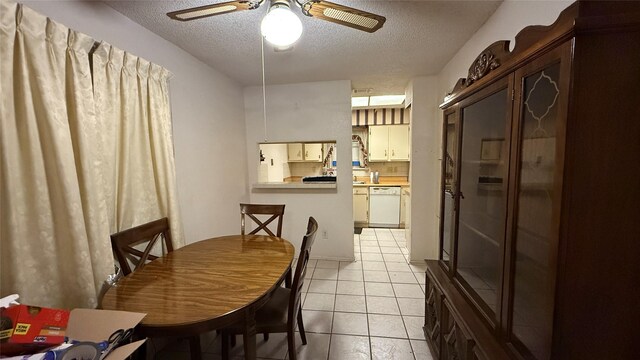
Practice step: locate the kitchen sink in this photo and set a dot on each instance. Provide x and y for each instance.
(358, 182)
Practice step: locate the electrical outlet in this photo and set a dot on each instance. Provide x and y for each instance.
(324, 234)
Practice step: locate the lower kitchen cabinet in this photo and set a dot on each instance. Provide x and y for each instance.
(405, 205)
(361, 205)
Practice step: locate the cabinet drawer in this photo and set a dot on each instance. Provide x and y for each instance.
(360, 191)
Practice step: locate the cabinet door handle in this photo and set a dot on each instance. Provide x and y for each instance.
(306, 153)
(393, 153)
(385, 153)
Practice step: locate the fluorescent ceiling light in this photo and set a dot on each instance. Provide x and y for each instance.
(360, 101)
(386, 100)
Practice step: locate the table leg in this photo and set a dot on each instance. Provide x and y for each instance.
(194, 348)
(249, 335)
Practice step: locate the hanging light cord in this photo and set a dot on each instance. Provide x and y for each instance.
(264, 91)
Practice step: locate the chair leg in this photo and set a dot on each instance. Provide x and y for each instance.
(266, 336)
(291, 341)
(225, 345)
(303, 336)
(288, 279)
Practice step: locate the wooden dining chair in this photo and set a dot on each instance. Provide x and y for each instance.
(283, 311)
(251, 210)
(125, 242)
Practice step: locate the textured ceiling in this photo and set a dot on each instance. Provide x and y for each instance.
(418, 38)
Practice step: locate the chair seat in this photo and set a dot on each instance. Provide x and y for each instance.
(272, 314)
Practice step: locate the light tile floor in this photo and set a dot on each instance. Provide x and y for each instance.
(372, 308)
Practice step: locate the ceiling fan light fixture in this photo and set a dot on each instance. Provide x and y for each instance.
(281, 27)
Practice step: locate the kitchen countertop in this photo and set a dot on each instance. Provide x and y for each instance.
(295, 185)
(384, 181)
(390, 183)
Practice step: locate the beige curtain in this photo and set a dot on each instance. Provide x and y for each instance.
(54, 225)
(132, 101)
(82, 157)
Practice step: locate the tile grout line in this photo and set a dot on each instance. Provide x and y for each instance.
(366, 307)
(398, 303)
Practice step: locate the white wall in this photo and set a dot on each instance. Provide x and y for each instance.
(307, 112)
(424, 175)
(208, 117)
(510, 17)
(426, 93)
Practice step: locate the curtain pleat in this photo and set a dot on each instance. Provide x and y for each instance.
(132, 97)
(85, 152)
(54, 250)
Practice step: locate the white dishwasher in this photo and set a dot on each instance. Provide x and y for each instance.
(384, 206)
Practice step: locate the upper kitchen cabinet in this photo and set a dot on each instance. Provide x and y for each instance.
(295, 152)
(399, 143)
(389, 143)
(313, 152)
(539, 195)
(305, 152)
(378, 143)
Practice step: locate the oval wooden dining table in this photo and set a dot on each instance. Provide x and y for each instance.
(204, 286)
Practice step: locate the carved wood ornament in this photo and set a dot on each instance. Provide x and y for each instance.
(483, 64)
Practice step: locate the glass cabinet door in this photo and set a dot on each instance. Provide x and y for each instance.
(534, 239)
(448, 188)
(482, 197)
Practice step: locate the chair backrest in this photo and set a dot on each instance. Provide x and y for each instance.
(301, 269)
(251, 210)
(123, 243)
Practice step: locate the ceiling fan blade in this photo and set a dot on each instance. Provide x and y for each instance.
(343, 15)
(214, 9)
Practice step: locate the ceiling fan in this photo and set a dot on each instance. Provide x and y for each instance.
(325, 10)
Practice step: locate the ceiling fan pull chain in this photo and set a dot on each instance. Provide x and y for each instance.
(264, 90)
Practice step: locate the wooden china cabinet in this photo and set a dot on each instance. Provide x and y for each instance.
(539, 226)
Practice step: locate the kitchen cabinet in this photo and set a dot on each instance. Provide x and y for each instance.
(313, 152)
(295, 152)
(537, 199)
(405, 203)
(361, 205)
(399, 143)
(378, 143)
(305, 152)
(389, 143)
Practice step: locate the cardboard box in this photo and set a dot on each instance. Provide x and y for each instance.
(98, 325)
(27, 329)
